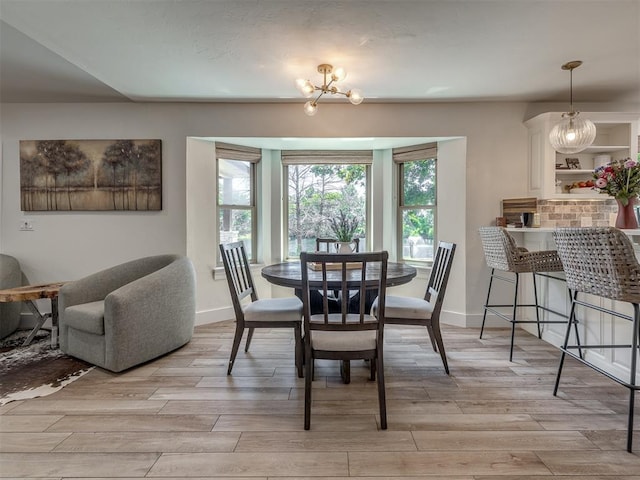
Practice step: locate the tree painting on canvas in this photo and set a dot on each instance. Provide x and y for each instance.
(90, 175)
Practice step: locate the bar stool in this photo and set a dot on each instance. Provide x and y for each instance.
(502, 254)
(601, 261)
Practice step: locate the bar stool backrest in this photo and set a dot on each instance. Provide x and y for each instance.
(600, 261)
(501, 251)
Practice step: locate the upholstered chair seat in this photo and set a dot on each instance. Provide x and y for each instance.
(274, 309)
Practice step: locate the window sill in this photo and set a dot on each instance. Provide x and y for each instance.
(218, 272)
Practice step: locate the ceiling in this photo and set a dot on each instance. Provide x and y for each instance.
(253, 50)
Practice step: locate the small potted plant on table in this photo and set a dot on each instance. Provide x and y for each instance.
(344, 228)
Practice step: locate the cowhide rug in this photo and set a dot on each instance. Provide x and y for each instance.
(35, 370)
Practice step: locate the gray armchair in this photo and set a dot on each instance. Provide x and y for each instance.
(10, 277)
(129, 314)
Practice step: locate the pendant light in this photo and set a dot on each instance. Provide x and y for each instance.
(572, 134)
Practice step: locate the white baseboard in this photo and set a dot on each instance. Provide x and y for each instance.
(214, 315)
(473, 320)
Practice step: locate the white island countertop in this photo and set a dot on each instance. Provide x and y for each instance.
(630, 232)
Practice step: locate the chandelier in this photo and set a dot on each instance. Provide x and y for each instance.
(572, 134)
(331, 76)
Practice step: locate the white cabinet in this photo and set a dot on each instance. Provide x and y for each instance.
(616, 136)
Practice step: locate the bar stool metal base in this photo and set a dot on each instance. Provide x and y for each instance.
(488, 307)
(569, 350)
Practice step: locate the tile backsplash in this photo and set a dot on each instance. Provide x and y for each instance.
(569, 213)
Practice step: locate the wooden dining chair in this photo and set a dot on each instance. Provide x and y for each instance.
(251, 312)
(425, 311)
(344, 336)
(329, 244)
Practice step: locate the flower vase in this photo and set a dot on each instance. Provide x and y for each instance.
(626, 218)
(344, 247)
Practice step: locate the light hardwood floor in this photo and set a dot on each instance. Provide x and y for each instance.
(182, 416)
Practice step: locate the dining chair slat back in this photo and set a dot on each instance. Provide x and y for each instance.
(252, 312)
(344, 336)
(236, 266)
(344, 294)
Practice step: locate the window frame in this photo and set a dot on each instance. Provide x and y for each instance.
(401, 157)
(245, 155)
(325, 157)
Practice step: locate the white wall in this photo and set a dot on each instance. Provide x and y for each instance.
(68, 245)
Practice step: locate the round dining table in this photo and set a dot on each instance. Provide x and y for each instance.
(288, 274)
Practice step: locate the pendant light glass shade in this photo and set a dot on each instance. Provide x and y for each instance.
(573, 134)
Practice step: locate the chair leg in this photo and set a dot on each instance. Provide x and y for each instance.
(484, 317)
(437, 335)
(308, 376)
(382, 402)
(632, 381)
(535, 297)
(299, 350)
(513, 318)
(432, 338)
(372, 370)
(566, 342)
(249, 337)
(237, 338)
(575, 327)
(345, 371)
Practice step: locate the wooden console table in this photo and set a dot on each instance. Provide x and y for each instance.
(28, 294)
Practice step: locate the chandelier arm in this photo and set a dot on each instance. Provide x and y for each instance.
(322, 92)
(333, 90)
(327, 85)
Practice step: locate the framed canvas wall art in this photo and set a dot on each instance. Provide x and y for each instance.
(90, 175)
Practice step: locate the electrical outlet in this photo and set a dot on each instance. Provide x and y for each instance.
(26, 225)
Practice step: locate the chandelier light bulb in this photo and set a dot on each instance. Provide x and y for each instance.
(305, 87)
(338, 74)
(355, 96)
(310, 108)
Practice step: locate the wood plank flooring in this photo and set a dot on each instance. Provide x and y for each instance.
(181, 416)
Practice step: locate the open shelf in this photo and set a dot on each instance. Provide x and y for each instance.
(605, 148)
(573, 171)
